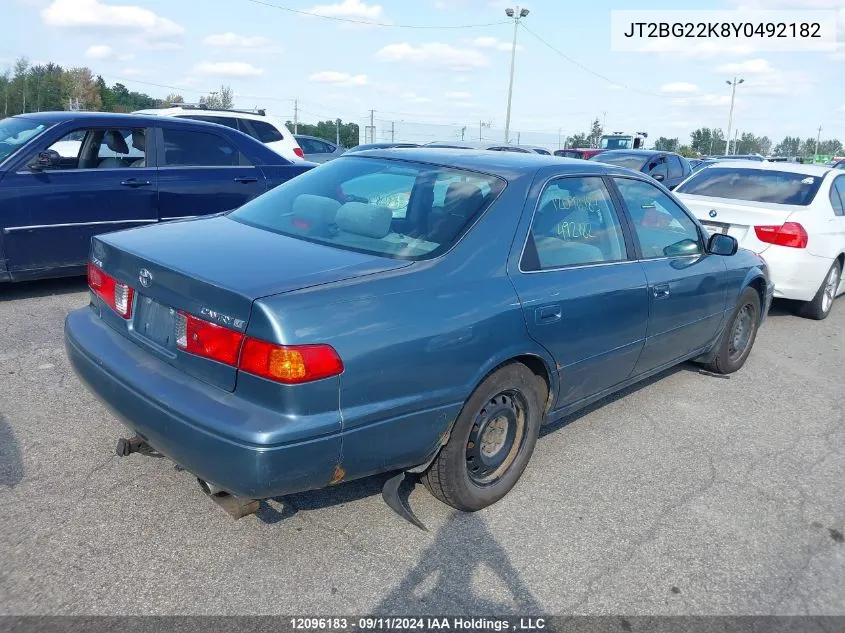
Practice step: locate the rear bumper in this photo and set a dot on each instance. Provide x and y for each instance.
(171, 411)
(795, 273)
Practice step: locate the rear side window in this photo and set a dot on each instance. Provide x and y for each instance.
(187, 148)
(219, 120)
(264, 132)
(753, 185)
(575, 224)
(837, 196)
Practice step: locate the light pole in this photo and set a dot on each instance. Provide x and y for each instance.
(516, 14)
(733, 84)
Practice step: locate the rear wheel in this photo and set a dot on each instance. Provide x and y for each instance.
(739, 335)
(820, 306)
(491, 442)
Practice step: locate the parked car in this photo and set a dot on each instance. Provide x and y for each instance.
(258, 124)
(581, 153)
(754, 157)
(315, 336)
(792, 215)
(665, 167)
(536, 149)
(485, 145)
(318, 150)
(840, 164)
(701, 163)
(365, 147)
(126, 170)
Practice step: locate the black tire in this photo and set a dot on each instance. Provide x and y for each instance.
(470, 473)
(738, 337)
(819, 308)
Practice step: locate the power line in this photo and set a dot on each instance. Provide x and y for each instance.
(338, 18)
(589, 70)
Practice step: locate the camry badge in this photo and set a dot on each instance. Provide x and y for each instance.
(712, 213)
(145, 277)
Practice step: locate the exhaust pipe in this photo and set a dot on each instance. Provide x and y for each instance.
(210, 489)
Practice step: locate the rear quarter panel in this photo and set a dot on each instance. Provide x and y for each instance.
(415, 342)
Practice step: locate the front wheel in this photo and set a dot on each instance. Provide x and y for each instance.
(739, 335)
(819, 308)
(491, 442)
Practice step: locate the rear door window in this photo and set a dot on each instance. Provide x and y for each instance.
(189, 148)
(265, 132)
(837, 196)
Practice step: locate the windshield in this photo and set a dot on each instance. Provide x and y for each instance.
(753, 185)
(391, 208)
(629, 161)
(616, 142)
(16, 131)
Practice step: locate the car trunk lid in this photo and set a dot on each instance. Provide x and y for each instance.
(214, 268)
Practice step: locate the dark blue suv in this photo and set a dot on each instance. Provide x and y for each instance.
(67, 176)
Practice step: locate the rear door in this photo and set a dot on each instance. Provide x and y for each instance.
(583, 294)
(687, 288)
(202, 172)
(104, 183)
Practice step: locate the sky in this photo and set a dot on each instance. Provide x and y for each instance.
(427, 84)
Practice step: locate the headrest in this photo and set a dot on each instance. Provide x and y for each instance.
(459, 191)
(139, 140)
(364, 219)
(116, 142)
(318, 209)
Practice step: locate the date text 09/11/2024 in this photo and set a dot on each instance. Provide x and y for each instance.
(418, 624)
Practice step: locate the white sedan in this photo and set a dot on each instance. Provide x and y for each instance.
(792, 215)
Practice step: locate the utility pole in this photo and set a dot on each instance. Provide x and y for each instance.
(517, 137)
(480, 128)
(818, 138)
(516, 15)
(736, 134)
(463, 131)
(372, 127)
(337, 123)
(733, 84)
(296, 116)
(393, 131)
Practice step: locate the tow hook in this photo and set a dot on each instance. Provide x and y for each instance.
(134, 444)
(391, 496)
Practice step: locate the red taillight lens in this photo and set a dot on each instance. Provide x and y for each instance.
(298, 151)
(199, 337)
(291, 365)
(116, 294)
(790, 234)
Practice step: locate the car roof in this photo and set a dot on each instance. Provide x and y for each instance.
(634, 152)
(795, 168)
(506, 165)
(119, 118)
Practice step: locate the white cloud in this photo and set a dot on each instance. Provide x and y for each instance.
(487, 41)
(91, 14)
(413, 97)
(434, 55)
(353, 9)
(233, 40)
(338, 79)
(679, 87)
(761, 78)
(457, 95)
(99, 51)
(750, 66)
(228, 69)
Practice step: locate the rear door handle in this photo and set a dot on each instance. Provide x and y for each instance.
(660, 291)
(246, 180)
(548, 314)
(134, 182)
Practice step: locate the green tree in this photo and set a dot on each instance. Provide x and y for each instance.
(596, 132)
(329, 130)
(227, 97)
(664, 144)
(578, 140)
(687, 151)
(173, 98)
(5, 87)
(789, 146)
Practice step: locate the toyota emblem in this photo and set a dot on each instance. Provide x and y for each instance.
(145, 277)
(712, 213)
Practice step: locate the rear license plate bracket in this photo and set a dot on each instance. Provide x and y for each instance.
(155, 322)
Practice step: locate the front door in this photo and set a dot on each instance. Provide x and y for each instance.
(103, 183)
(583, 294)
(687, 287)
(202, 173)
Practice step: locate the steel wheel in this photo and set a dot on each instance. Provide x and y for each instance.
(741, 332)
(495, 439)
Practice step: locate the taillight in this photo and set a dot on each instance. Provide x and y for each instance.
(790, 234)
(298, 151)
(289, 364)
(115, 293)
(199, 337)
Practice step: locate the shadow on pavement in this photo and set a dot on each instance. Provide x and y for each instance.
(42, 288)
(11, 464)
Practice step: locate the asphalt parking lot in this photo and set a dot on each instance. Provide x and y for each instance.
(688, 495)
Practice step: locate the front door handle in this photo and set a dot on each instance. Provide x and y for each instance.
(660, 291)
(246, 180)
(134, 182)
(548, 314)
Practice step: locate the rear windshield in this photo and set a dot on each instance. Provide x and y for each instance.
(569, 153)
(16, 131)
(629, 161)
(753, 185)
(396, 209)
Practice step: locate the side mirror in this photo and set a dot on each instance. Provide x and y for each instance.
(721, 244)
(684, 247)
(48, 159)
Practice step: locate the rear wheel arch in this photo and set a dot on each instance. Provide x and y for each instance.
(759, 284)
